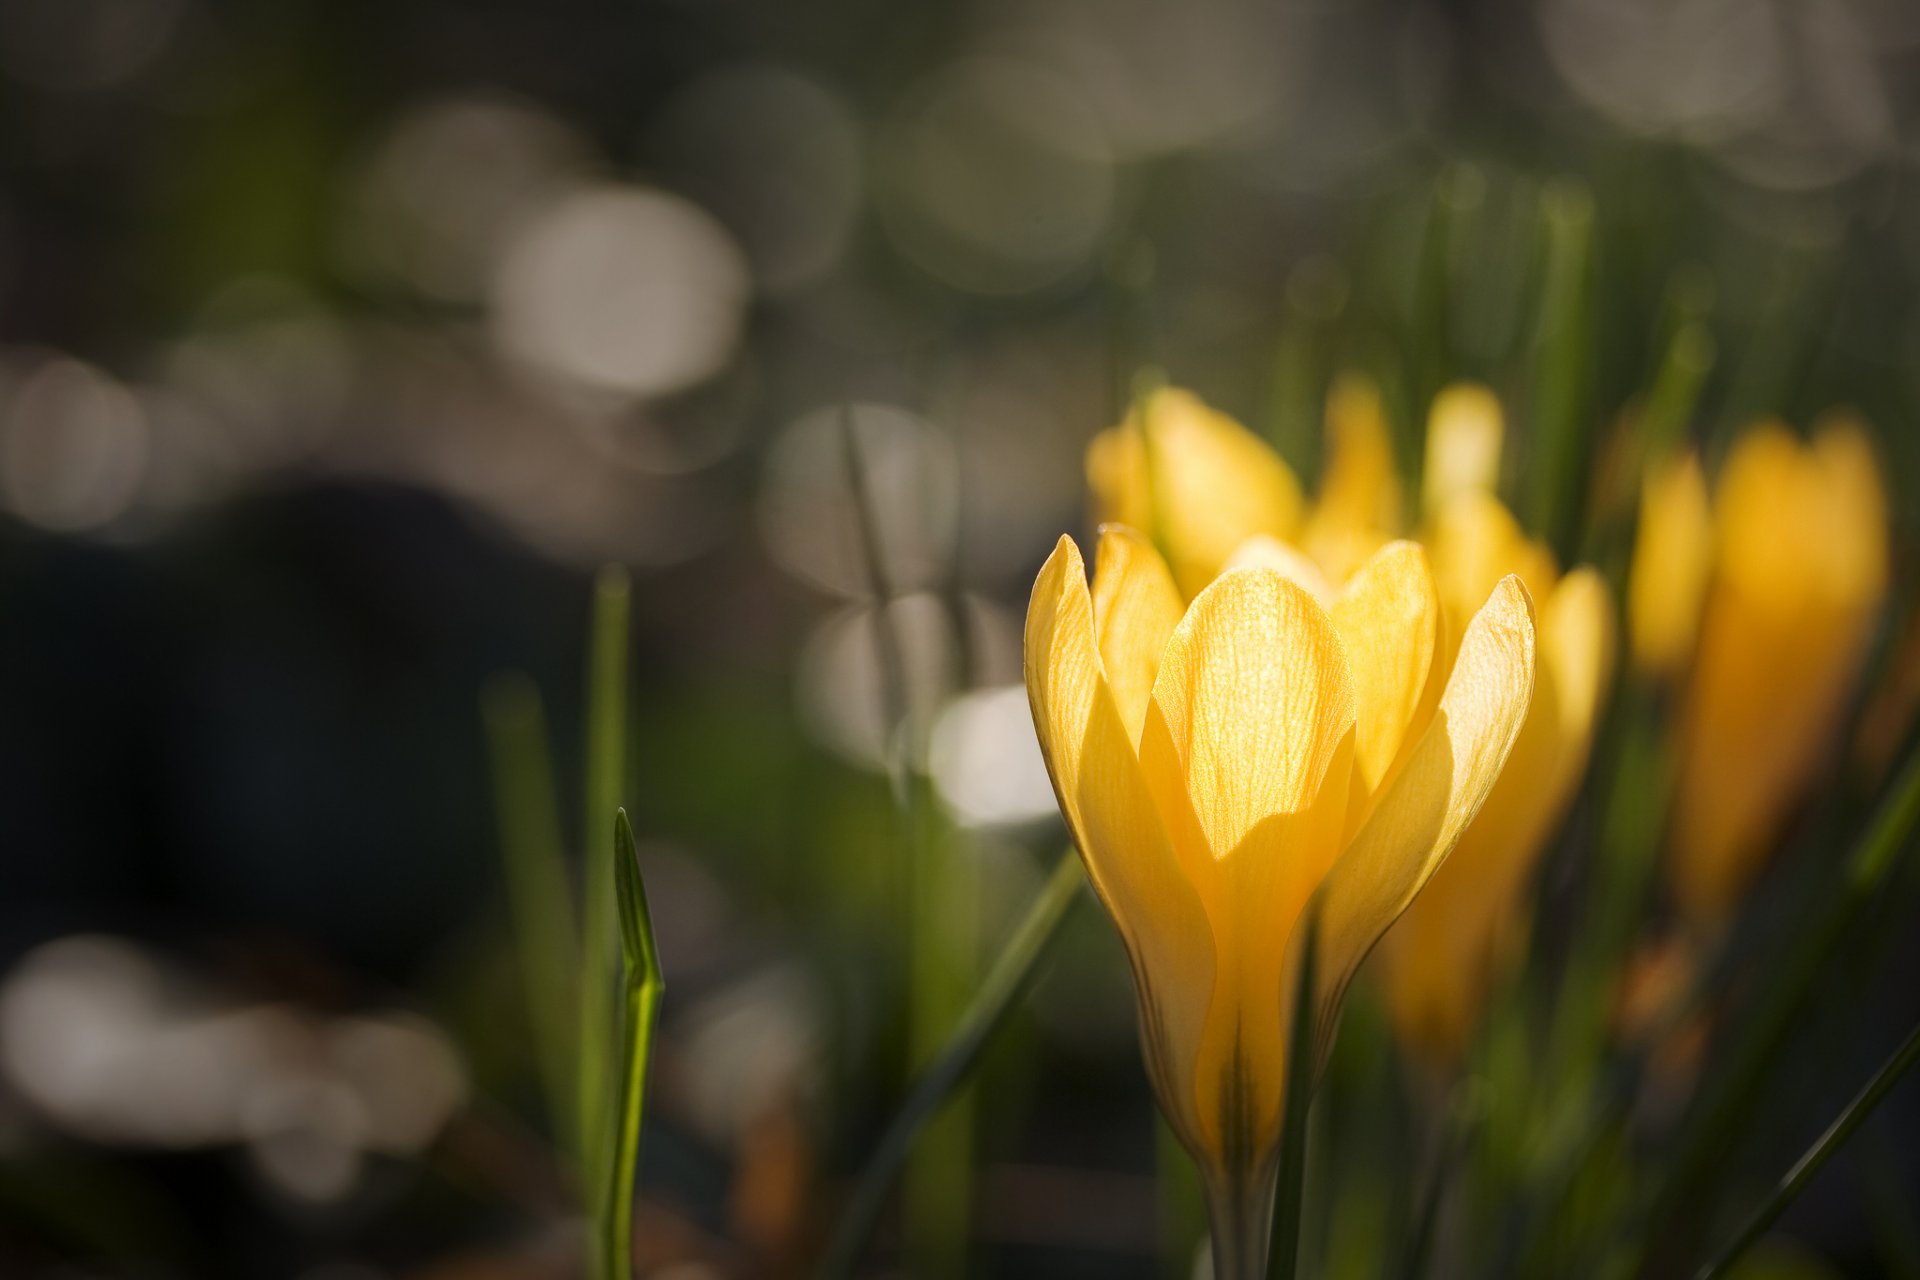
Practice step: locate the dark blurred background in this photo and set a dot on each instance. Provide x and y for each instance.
(340, 342)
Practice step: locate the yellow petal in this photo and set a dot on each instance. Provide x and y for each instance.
(1447, 951)
(1472, 543)
(1262, 551)
(1437, 794)
(1465, 429)
(1252, 699)
(1359, 502)
(1111, 815)
(1195, 480)
(1389, 617)
(1578, 637)
(1117, 477)
(1672, 559)
(1801, 537)
(1135, 608)
(1247, 750)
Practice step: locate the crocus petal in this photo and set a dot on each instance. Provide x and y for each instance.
(1801, 574)
(1196, 480)
(1359, 502)
(1578, 637)
(1672, 561)
(1247, 749)
(1111, 816)
(1445, 780)
(1263, 551)
(1465, 430)
(1252, 699)
(1473, 542)
(1135, 608)
(1389, 616)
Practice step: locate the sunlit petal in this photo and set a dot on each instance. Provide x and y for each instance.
(1135, 608)
(1389, 617)
(1263, 551)
(1438, 792)
(1465, 430)
(1113, 822)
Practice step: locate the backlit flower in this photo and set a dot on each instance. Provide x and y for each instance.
(1222, 764)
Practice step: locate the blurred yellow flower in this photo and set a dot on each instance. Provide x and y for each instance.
(1196, 481)
(1225, 763)
(1672, 562)
(1444, 956)
(1440, 960)
(1800, 572)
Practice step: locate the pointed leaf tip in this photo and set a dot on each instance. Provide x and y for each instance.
(636, 922)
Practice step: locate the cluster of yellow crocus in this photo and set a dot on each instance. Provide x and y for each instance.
(1762, 600)
(1230, 764)
(1215, 496)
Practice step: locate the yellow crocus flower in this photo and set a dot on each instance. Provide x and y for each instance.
(1465, 432)
(1672, 562)
(1225, 763)
(1800, 571)
(1358, 507)
(1443, 957)
(1194, 479)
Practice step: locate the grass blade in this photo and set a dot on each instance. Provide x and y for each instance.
(1816, 1156)
(642, 985)
(1012, 973)
(1725, 1113)
(606, 767)
(1563, 367)
(539, 897)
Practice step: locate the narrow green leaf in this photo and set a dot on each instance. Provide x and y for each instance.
(606, 769)
(642, 985)
(1723, 1112)
(1563, 366)
(539, 897)
(1009, 978)
(1303, 1063)
(1816, 1156)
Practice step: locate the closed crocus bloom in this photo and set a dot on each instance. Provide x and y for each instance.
(1200, 482)
(1358, 507)
(1447, 951)
(1224, 764)
(1672, 561)
(1800, 543)
(1465, 430)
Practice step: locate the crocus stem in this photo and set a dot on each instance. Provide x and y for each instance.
(1005, 983)
(1240, 1209)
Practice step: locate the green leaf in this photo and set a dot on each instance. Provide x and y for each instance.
(1012, 973)
(539, 898)
(642, 985)
(1797, 1178)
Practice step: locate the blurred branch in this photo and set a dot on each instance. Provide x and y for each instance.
(1009, 978)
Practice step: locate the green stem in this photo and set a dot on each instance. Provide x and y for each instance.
(643, 985)
(1816, 1156)
(1303, 1064)
(1012, 973)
